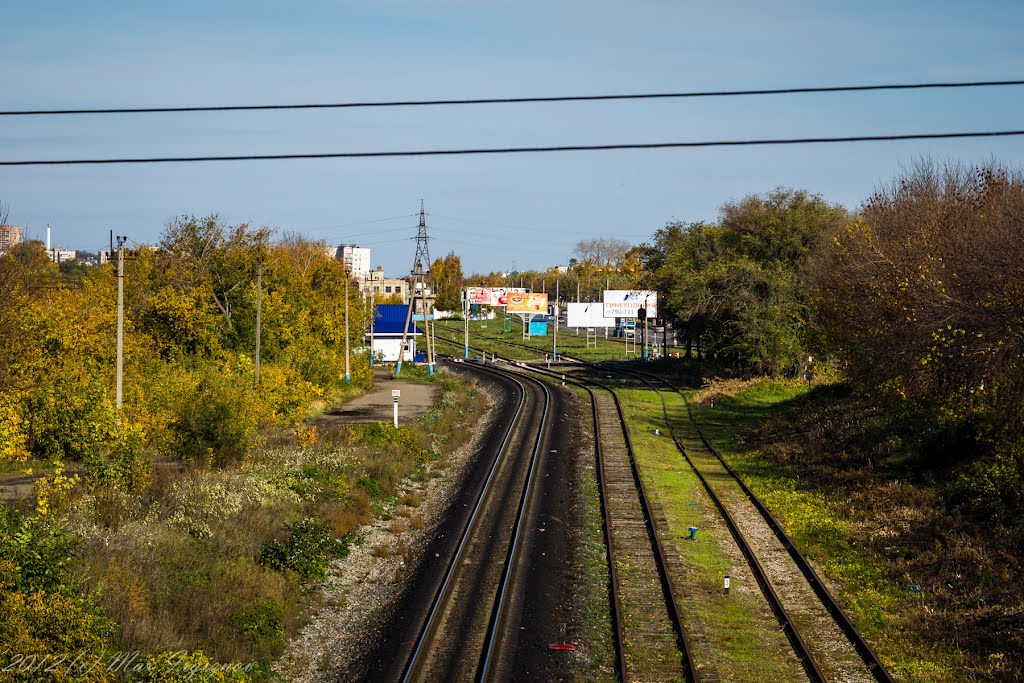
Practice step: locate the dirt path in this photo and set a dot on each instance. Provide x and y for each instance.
(378, 404)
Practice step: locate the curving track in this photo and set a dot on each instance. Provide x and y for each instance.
(822, 636)
(462, 634)
(651, 643)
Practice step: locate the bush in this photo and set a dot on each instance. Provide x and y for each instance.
(39, 553)
(992, 488)
(384, 435)
(40, 614)
(13, 439)
(55, 630)
(68, 417)
(306, 551)
(128, 467)
(217, 424)
(263, 623)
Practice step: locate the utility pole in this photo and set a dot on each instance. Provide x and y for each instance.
(120, 315)
(348, 377)
(373, 314)
(259, 314)
(554, 339)
(422, 255)
(465, 308)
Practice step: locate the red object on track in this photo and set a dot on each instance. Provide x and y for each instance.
(561, 646)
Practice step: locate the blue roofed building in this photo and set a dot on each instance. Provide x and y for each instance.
(387, 333)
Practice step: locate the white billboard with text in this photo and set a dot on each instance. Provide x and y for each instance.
(624, 303)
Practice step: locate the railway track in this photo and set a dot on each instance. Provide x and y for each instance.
(832, 638)
(463, 632)
(651, 642)
(834, 649)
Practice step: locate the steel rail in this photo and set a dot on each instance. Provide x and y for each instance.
(800, 648)
(668, 589)
(871, 660)
(442, 594)
(488, 654)
(659, 550)
(868, 656)
(661, 561)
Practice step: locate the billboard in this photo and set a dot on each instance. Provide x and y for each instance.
(527, 302)
(624, 303)
(587, 315)
(490, 296)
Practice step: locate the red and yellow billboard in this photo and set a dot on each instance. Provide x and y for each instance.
(490, 296)
(527, 302)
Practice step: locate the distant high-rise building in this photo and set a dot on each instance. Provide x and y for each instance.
(357, 260)
(9, 236)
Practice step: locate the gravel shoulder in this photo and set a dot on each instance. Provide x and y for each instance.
(363, 592)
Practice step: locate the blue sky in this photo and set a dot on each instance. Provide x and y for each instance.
(495, 211)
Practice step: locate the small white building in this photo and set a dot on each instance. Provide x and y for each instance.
(387, 334)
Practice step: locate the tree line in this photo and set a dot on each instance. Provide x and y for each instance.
(190, 337)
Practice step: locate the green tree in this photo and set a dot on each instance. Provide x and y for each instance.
(737, 287)
(446, 274)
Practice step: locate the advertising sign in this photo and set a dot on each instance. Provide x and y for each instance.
(527, 302)
(587, 315)
(625, 303)
(490, 296)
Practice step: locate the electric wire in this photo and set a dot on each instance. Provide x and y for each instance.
(518, 100)
(519, 150)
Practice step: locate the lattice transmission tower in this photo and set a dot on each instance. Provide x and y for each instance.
(420, 275)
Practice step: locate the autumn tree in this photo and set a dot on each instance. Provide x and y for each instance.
(446, 275)
(922, 295)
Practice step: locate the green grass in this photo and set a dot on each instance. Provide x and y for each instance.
(490, 336)
(827, 531)
(596, 613)
(744, 642)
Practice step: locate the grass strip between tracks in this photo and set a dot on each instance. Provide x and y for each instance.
(743, 639)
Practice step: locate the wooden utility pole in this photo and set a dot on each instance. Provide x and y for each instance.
(348, 377)
(120, 316)
(259, 313)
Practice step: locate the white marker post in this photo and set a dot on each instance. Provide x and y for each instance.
(395, 393)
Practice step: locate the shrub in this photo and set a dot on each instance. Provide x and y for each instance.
(385, 435)
(67, 417)
(993, 487)
(56, 630)
(128, 467)
(306, 551)
(13, 439)
(263, 622)
(38, 550)
(53, 490)
(217, 423)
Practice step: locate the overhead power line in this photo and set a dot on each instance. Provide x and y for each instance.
(515, 100)
(517, 150)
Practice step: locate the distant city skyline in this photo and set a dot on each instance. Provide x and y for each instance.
(491, 210)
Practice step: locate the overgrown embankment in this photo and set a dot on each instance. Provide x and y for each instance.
(912, 535)
(222, 559)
